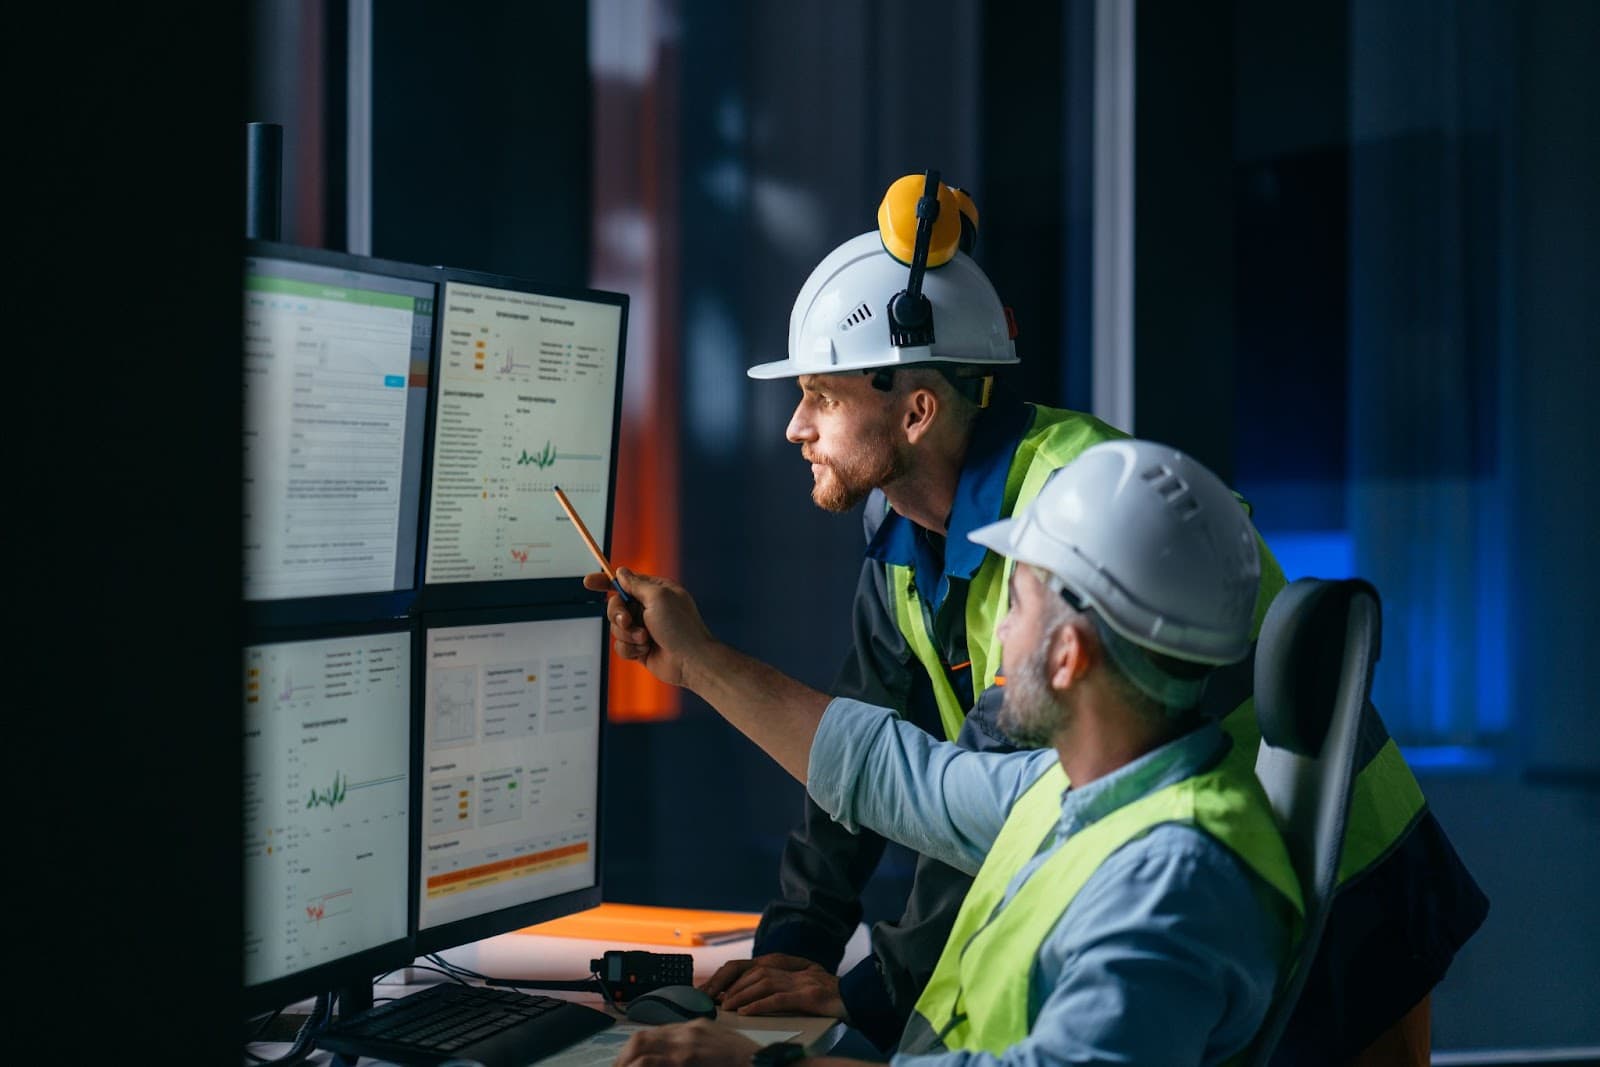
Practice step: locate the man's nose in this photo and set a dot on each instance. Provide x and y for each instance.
(800, 429)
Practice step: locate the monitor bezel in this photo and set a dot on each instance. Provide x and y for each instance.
(515, 917)
(355, 607)
(358, 969)
(449, 596)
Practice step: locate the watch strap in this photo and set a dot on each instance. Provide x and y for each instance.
(778, 1054)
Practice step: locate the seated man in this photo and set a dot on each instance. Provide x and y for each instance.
(1143, 913)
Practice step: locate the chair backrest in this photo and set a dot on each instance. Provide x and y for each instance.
(1314, 662)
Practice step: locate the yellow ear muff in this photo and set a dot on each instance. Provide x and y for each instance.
(897, 221)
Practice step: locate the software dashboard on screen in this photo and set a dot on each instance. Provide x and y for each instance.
(336, 362)
(527, 398)
(327, 800)
(510, 765)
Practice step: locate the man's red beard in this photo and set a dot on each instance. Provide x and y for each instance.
(846, 479)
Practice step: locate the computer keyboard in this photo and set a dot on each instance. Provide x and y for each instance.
(495, 1027)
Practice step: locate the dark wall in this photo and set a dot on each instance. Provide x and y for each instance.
(1024, 244)
(1183, 229)
(1526, 980)
(480, 137)
(1461, 204)
(122, 531)
(1291, 235)
(1556, 334)
(1530, 829)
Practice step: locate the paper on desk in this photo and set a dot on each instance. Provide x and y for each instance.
(596, 1050)
(768, 1037)
(601, 1050)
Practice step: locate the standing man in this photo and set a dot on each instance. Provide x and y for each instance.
(1133, 901)
(895, 341)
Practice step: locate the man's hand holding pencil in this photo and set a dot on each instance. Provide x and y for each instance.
(672, 637)
(675, 627)
(654, 621)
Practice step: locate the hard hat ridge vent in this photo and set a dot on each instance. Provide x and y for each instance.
(1173, 489)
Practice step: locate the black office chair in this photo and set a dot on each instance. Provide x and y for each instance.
(1313, 675)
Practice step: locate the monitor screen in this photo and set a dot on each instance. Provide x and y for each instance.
(510, 780)
(529, 391)
(336, 361)
(327, 803)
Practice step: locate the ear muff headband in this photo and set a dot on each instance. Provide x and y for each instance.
(969, 219)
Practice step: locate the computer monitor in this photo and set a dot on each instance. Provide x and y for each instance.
(337, 354)
(328, 834)
(512, 712)
(528, 397)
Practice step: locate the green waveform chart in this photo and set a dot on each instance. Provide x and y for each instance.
(549, 454)
(333, 796)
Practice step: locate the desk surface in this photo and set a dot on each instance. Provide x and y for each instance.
(532, 957)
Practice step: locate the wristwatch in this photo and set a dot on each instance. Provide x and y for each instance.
(784, 1052)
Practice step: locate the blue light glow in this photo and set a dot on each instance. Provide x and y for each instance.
(1443, 758)
(1313, 553)
(1444, 675)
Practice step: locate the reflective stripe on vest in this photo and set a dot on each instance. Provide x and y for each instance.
(1054, 439)
(978, 997)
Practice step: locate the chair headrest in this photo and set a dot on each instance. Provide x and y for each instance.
(1299, 658)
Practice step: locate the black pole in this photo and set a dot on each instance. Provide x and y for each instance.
(263, 207)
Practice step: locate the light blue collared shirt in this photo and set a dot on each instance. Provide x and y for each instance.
(1168, 955)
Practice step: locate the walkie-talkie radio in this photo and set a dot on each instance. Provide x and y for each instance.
(625, 975)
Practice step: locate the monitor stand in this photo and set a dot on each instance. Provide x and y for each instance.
(282, 1028)
(355, 999)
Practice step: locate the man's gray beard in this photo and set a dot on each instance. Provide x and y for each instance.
(1030, 714)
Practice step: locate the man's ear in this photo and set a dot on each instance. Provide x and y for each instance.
(1073, 651)
(918, 413)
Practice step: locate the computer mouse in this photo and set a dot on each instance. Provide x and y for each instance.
(671, 1004)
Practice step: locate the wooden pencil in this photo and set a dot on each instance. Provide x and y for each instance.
(588, 538)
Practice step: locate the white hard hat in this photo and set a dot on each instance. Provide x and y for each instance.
(1151, 540)
(840, 319)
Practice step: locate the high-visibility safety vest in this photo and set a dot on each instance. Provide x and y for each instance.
(977, 999)
(1386, 799)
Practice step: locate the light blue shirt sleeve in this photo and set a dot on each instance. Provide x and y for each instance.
(1169, 954)
(871, 768)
